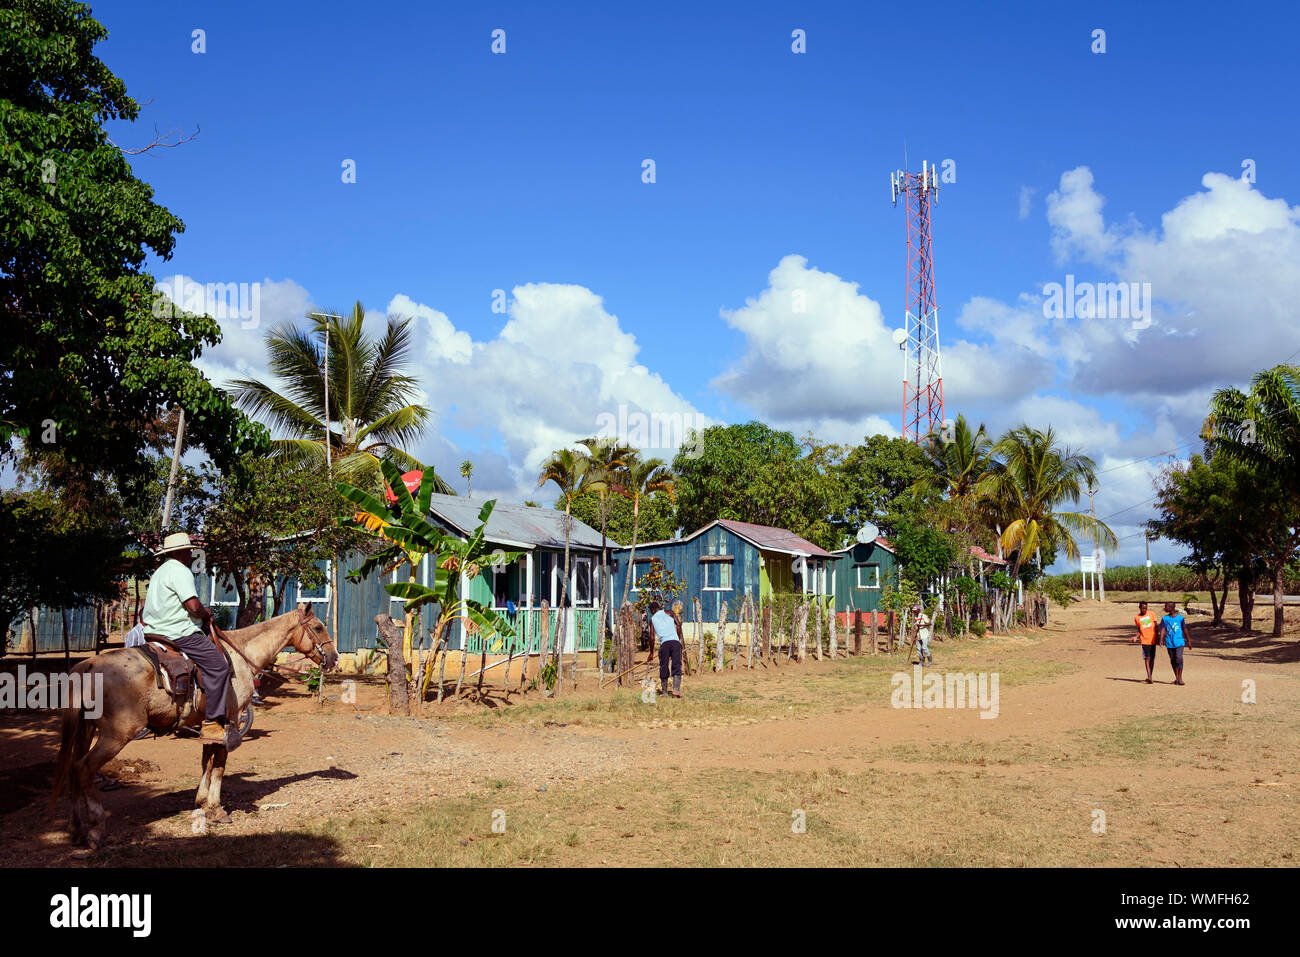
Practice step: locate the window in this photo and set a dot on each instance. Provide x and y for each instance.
(716, 576)
(319, 594)
(868, 576)
(582, 582)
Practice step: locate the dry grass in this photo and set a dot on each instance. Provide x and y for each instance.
(749, 696)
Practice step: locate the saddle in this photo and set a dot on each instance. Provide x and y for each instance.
(174, 671)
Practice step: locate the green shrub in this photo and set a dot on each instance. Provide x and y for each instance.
(978, 628)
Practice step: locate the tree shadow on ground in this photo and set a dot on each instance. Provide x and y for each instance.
(1227, 642)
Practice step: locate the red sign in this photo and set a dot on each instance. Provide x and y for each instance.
(412, 482)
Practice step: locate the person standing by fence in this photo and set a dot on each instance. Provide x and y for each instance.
(668, 630)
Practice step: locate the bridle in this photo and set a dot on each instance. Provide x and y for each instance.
(316, 646)
(314, 655)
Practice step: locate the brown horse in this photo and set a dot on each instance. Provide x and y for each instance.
(132, 701)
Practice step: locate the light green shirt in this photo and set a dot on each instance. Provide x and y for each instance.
(164, 602)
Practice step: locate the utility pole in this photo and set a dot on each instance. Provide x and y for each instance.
(176, 463)
(1096, 549)
(1147, 536)
(325, 318)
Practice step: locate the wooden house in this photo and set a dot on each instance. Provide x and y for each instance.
(516, 589)
(861, 573)
(727, 560)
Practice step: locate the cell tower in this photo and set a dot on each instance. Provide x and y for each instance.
(919, 339)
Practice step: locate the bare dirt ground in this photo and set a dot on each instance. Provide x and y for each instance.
(809, 764)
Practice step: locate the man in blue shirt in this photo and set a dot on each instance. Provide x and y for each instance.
(1173, 634)
(669, 632)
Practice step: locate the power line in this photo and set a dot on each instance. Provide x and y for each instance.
(1130, 508)
(1124, 465)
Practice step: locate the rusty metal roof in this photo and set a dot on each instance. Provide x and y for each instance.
(516, 524)
(776, 539)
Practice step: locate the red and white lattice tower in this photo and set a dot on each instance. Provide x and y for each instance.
(922, 373)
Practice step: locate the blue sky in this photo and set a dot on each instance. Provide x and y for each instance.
(523, 171)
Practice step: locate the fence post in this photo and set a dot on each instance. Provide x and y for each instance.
(830, 623)
(801, 631)
(815, 609)
(699, 629)
(720, 643)
(767, 632)
(560, 614)
(749, 632)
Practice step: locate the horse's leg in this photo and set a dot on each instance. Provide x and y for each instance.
(205, 777)
(109, 742)
(213, 808)
(79, 821)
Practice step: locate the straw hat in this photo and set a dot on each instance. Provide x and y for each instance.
(175, 542)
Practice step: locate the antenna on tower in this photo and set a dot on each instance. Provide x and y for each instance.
(919, 338)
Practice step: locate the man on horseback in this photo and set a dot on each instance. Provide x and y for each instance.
(172, 611)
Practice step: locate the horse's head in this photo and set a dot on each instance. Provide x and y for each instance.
(312, 639)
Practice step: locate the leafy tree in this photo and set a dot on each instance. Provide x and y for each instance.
(804, 494)
(371, 413)
(1201, 507)
(658, 585)
(86, 360)
(271, 523)
(1261, 430)
(715, 475)
(884, 480)
(656, 517)
(924, 554)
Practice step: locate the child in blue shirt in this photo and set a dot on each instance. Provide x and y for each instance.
(1173, 635)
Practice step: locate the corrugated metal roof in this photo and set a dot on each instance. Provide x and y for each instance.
(511, 523)
(985, 556)
(777, 539)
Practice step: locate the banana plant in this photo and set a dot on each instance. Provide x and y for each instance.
(410, 537)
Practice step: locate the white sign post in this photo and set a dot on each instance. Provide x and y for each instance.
(1088, 566)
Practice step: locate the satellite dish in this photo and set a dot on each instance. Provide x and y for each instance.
(868, 533)
(900, 336)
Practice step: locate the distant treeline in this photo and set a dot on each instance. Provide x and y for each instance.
(1163, 578)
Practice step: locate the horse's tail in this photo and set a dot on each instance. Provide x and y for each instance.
(72, 746)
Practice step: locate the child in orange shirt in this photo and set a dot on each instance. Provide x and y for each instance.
(1146, 626)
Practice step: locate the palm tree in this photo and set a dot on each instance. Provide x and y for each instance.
(467, 470)
(1030, 476)
(572, 473)
(956, 463)
(642, 479)
(1261, 430)
(609, 459)
(371, 409)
